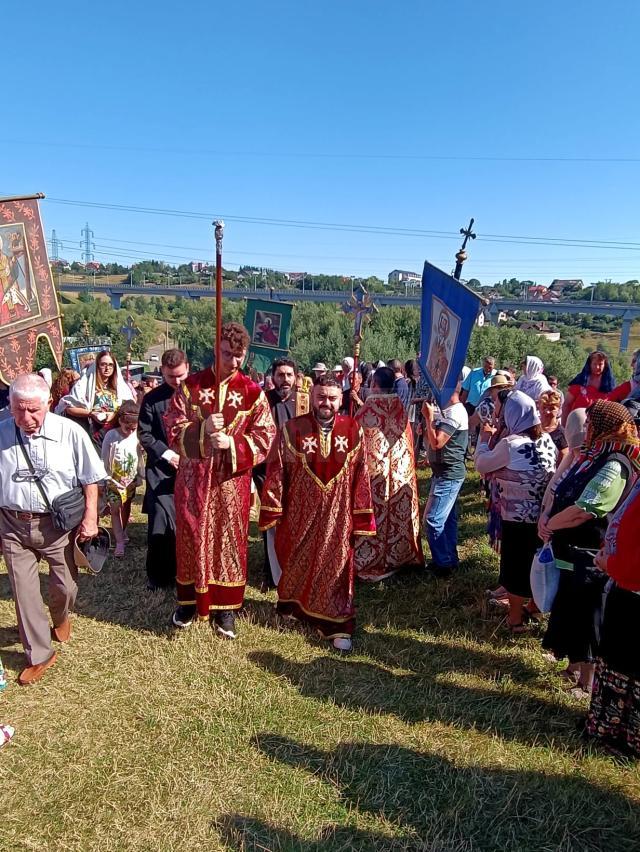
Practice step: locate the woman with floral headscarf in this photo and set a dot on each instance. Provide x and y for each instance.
(595, 381)
(521, 465)
(594, 487)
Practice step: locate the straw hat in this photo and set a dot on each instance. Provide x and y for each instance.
(500, 381)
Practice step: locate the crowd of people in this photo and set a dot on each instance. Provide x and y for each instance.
(330, 460)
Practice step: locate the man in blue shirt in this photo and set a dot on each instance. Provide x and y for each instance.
(476, 383)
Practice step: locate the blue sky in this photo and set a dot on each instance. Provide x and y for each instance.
(414, 115)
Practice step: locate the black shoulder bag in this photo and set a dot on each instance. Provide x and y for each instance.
(67, 510)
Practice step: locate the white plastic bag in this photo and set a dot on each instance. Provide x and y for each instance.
(545, 578)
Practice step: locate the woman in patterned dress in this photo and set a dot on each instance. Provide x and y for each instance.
(522, 463)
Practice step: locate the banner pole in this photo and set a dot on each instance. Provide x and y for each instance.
(219, 229)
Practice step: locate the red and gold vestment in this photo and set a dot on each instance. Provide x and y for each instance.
(213, 487)
(317, 493)
(390, 460)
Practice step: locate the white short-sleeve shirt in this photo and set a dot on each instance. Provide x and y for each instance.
(62, 456)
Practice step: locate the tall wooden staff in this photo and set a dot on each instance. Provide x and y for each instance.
(219, 228)
(361, 306)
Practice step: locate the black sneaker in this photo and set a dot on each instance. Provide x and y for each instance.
(183, 616)
(225, 624)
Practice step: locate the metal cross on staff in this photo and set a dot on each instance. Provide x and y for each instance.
(461, 256)
(129, 331)
(361, 306)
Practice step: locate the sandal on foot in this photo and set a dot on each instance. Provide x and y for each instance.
(119, 551)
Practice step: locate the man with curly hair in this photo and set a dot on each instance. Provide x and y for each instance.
(220, 434)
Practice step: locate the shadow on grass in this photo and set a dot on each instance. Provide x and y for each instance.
(429, 657)
(438, 805)
(119, 594)
(245, 834)
(9, 637)
(505, 710)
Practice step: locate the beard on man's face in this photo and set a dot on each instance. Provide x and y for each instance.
(324, 413)
(284, 389)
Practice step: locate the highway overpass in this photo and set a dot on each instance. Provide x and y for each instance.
(628, 312)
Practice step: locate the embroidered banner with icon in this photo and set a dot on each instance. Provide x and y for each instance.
(269, 325)
(449, 312)
(28, 303)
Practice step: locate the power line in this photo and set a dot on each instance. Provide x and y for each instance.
(477, 261)
(374, 229)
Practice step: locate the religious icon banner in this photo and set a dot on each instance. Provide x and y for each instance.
(269, 326)
(28, 303)
(449, 312)
(82, 356)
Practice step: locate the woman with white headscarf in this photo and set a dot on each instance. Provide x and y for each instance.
(521, 465)
(533, 381)
(97, 395)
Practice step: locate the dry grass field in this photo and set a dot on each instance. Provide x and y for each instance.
(440, 732)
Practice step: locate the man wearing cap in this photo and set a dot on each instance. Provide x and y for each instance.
(36, 445)
(318, 370)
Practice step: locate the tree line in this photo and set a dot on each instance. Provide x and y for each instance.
(319, 332)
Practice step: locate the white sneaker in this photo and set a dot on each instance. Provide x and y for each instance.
(342, 643)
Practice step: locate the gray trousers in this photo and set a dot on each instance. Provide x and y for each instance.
(24, 544)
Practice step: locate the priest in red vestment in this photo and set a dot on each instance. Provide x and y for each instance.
(213, 484)
(318, 497)
(391, 463)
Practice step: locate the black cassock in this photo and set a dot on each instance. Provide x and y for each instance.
(158, 499)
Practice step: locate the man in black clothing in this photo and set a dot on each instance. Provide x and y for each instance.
(401, 385)
(161, 467)
(285, 402)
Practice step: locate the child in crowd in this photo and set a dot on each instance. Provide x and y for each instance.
(122, 455)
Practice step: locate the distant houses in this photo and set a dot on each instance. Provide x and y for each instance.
(566, 285)
(541, 329)
(539, 293)
(402, 276)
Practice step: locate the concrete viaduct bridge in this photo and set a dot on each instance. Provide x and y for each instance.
(628, 312)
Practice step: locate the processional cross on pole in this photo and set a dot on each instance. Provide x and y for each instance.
(129, 331)
(461, 256)
(361, 307)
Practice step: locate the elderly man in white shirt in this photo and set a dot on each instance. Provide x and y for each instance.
(62, 457)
